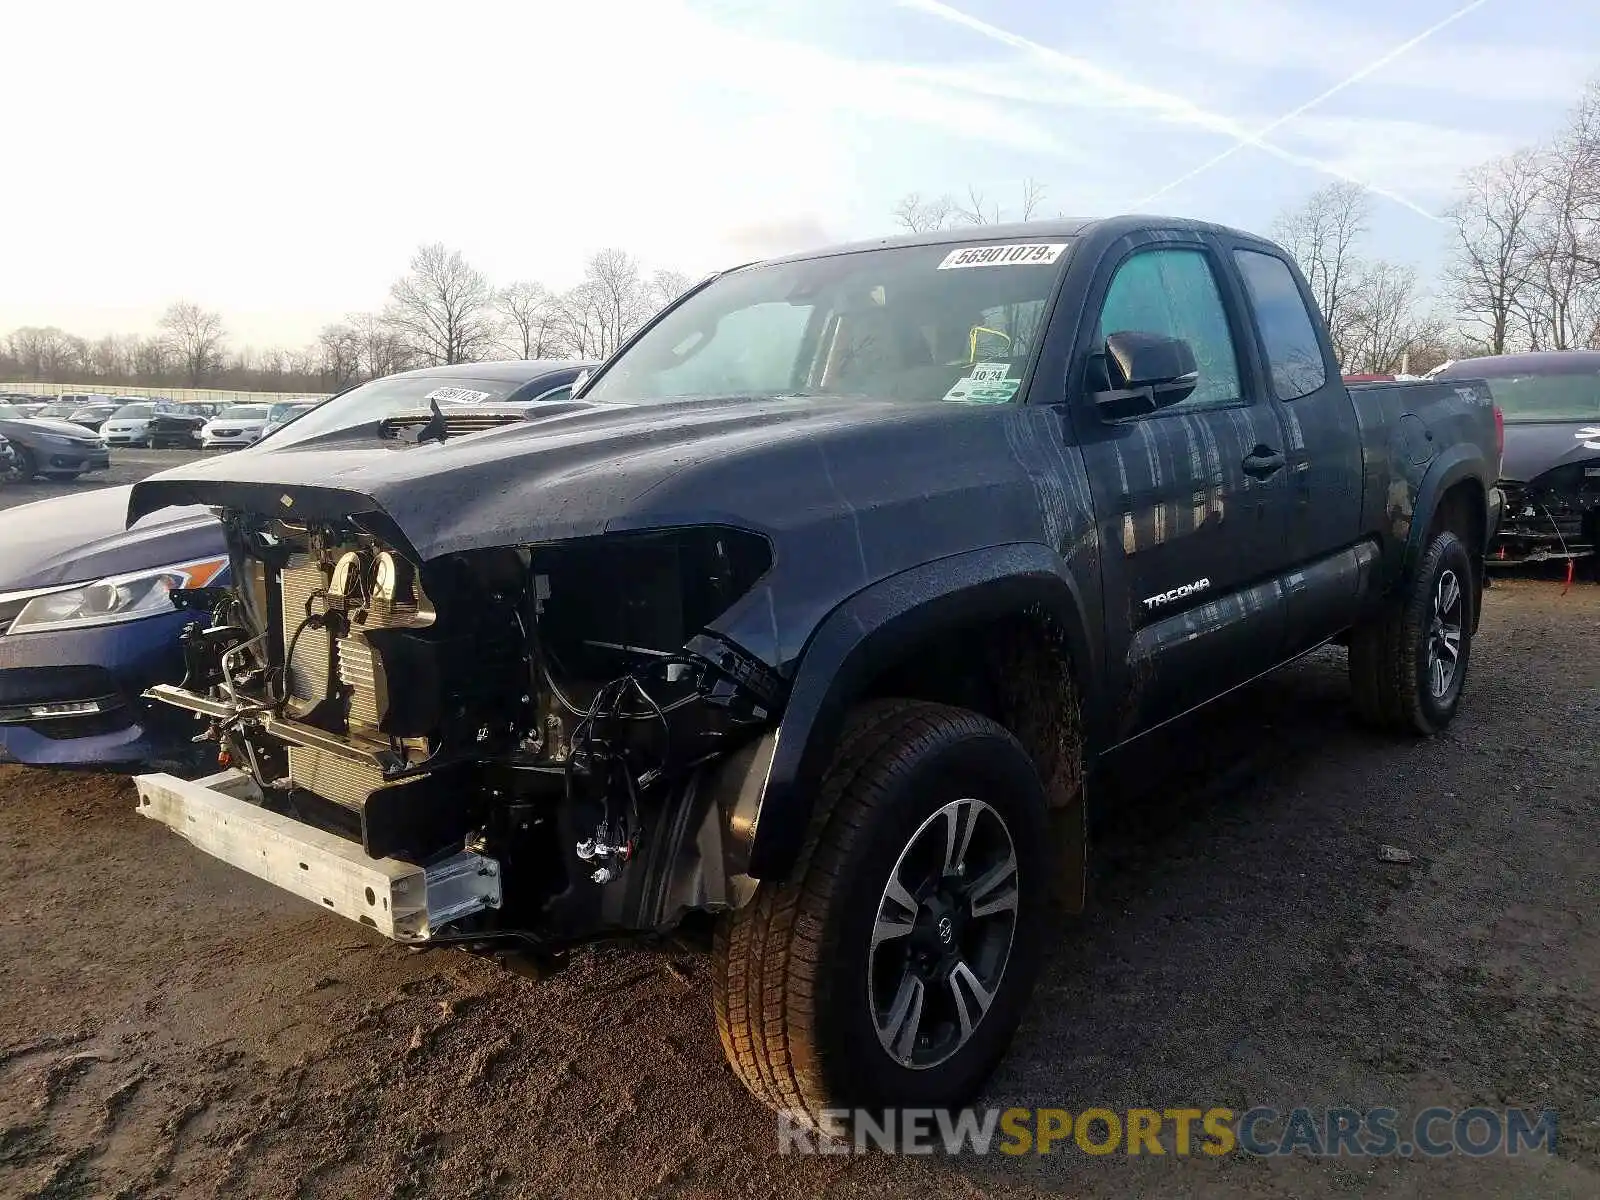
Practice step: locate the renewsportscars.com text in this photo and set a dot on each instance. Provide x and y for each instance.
(1262, 1132)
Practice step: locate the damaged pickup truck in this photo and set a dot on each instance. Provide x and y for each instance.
(807, 616)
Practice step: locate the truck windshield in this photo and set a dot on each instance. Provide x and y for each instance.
(953, 322)
(1547, 397)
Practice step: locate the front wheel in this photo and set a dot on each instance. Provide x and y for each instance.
(893, 967)
(1408, 664)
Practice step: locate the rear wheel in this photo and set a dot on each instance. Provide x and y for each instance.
(894, 966)
(1408, 664)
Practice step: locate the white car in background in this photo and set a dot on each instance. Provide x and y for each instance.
(235, 426)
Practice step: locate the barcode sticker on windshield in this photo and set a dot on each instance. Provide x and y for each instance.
(457, 395)
(1033, 255)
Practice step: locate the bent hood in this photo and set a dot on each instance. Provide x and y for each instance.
(72, 539)
(1534, 447)
(572, 470)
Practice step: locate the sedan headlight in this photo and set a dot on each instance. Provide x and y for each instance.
(119, 598)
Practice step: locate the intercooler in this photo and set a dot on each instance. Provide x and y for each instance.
(303, 587)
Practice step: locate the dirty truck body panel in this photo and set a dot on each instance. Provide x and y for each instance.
(629, 626)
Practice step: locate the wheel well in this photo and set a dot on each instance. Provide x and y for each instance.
(1017, 671)
(1461, 510)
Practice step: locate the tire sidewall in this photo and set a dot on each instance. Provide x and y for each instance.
(988, 766)
(1445, 553)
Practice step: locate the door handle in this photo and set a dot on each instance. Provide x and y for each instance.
(1263, 462)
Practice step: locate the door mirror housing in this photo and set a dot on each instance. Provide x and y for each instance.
(1143, 372)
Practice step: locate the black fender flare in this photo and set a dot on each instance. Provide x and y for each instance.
(866, 633)
(1447, 470)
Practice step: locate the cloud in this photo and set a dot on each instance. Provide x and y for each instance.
(1327, 41)
(1164, 106)
(1369, 68)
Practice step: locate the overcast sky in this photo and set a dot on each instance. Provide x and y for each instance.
(280, 161)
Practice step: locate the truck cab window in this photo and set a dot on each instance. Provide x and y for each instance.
(1287, 333)
(1174, 293)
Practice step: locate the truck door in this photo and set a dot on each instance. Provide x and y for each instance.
(1191, 500)
(1323, 566)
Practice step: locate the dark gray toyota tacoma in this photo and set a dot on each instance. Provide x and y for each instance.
(808, 615)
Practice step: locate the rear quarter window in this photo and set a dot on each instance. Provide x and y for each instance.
(1288, 333)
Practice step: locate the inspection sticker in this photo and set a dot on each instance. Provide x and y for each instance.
(457, 395)
(1033, 255)
(986, 384)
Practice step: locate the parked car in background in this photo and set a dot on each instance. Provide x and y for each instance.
(130, 424)
(54, 449)
(86, 399)
(59, 410)
(235, 426)
(286, 411)
(176, 428)
(86, 625)
(1551, 469)
(92, 416)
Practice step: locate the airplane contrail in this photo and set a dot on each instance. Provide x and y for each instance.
(1375, 65)
(1139, 95)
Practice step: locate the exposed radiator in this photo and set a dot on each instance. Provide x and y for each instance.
(333, 778)
(356, 667)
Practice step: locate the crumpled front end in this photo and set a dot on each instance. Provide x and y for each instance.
(551, 712)
(1554, 516)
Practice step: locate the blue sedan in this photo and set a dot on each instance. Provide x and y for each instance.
(86, 625)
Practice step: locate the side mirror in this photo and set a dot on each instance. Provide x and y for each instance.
(1143, 372)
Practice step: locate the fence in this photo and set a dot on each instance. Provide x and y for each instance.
(197, 395)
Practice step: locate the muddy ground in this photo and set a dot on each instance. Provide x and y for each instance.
(175, 1029)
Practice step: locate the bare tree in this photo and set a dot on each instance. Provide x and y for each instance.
(602, 311)
(380, 350)
(1322, 235)
(978, 210)
(195, 337)
(1496, 223)
(153, 359)
(340, 360)
(443, 309)
(41, 352)
(1385, 324)
(1032, 197)
(665, 286)
(532, 327)
(918, 215)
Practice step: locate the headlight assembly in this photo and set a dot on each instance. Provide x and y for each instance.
(118, 598)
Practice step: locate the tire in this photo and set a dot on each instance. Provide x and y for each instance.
(1396, 658)
(804, 991)
(26, 466)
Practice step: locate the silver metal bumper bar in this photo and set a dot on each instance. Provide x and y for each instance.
(399, 899)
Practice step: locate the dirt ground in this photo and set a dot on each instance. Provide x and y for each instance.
(175, 1029)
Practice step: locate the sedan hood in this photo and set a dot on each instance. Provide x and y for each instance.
(75, 538)
(1534, 447)
(29, 425)
(577, 469)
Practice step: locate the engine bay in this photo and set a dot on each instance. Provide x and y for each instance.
(547, 707)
